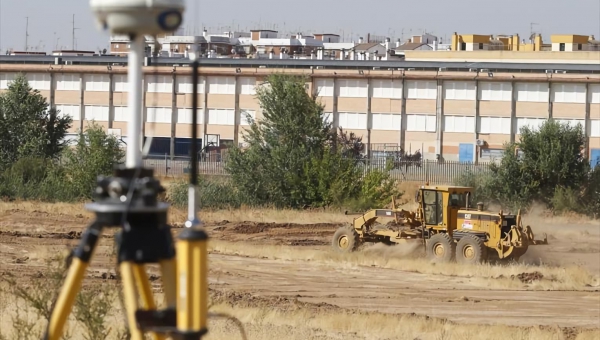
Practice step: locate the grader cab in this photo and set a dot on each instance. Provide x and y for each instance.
(446, 225)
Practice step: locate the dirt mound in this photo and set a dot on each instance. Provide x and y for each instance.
(528, 277)
(70, 235)
(283, 303)
(260, 227)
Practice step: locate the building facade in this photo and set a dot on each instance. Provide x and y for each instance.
(446, 110)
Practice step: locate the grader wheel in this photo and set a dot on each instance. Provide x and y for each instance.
(471, 250)
(440, 248)
(345, 240)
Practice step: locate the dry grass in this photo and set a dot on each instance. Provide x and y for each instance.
(403, 258)
(263, 323)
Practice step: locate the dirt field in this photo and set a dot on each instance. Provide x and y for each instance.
(284, 274)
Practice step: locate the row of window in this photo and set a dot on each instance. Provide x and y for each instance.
(382, 88)
(157, 114)
(461, 90)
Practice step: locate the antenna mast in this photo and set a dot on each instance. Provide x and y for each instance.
(73, 32)
(26, 34)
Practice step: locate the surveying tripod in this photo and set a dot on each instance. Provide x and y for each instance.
(145, 238)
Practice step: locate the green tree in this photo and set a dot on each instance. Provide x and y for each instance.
(542, 161)
(28, 128)
(290, 160)
(95, 153)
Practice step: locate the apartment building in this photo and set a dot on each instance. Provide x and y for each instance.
(448, 110)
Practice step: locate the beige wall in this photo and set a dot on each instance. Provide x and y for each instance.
(494, 108)
(249, 102)
(158, 99)
(415, 139)
(185, 130)
(66, 97)
(564, 110)
(466, 107)
(221, 101)
(95, 98)
(494, 140)
(226, 131)
(352, 105)
(420, 106)
(327, 102)
(384, 136)
(120, 99)
(122, 126)
(185, 100)
(384, 105)
(158, 129)
(455, 138)
(595, 110)
(529, 109)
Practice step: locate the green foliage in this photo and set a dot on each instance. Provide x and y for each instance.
(92, 307)
(546, 166)
(294, 159)
(213, 194)
(69, 179)
(28, 128)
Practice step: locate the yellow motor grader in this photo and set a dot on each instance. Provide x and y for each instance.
(446, 225)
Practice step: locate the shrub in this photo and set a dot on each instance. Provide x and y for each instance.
(213, 194)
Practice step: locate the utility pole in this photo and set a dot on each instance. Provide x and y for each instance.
(26, 34)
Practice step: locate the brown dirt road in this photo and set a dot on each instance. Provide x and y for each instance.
(26, 238)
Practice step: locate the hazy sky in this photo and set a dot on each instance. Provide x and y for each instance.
(50, 20)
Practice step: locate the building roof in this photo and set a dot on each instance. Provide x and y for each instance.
(409, 46)
(311, 63)
(365, 46)
(263, 31)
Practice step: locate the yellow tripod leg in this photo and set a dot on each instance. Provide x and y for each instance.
(66, 299)
(143, 284)
(168, 270)
(81, 259)
(130, 296)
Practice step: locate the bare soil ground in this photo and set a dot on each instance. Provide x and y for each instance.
(258, 261)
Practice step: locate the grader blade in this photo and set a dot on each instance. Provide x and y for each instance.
(531, 237)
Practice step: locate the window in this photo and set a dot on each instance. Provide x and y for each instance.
(39, 81)
(569, 93)
(6, 79)
(387, 89)
(158, 114)
(244, 116)
(579, 47)
(247, 85)
(162, 84)
(561, 47)
(595, 128)
(352, 120)
(324, 87)
(328, 117)
(67, 82)
(387, 121)
(532, 92)
(463, 46)
(595, 94)
(572, 122)
(353, 88)
(97, 113)
(418, 89)
(121, 84)
(221, 85)
(495, 91)
(459, 90)
(432, 201)
(532, 123)
(221, 116)
(121, 114)
(184, 85)
(184, 116)
(459, 124)
(421, 122)
(96, 82)
(481, 46)
(499, 125)
(68, 110)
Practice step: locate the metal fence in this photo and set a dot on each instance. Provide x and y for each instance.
(434, 172)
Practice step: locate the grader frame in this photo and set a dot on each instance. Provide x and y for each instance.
(445, 225)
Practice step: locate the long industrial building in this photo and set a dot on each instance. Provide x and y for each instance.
(454, 110)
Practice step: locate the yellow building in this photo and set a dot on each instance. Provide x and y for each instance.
(570, 42)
